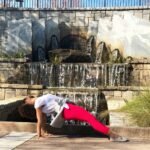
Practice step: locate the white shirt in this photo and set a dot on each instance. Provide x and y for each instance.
(50, 103)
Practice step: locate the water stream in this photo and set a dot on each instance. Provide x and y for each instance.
(78, 75)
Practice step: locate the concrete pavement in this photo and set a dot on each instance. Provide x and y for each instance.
(26, 140)
(9, 141)
(21, 136)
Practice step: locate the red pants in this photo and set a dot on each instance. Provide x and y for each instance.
(78, 113)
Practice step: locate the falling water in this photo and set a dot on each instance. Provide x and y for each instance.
(89, 100)
(78, 75)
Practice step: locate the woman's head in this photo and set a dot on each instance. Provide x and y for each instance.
(29, 100)
(27, 111)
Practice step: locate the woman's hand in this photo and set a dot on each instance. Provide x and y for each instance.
(44, 136)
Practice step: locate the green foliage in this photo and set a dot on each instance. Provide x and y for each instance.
(120, 59)
(55, 59)
(4, 55)
(139, 109)
(16, 55)
(19, 55)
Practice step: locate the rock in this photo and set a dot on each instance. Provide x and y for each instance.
(52, 34)
(91, 47)
(102, 53)
(19, 39)
(54, 44)
(68, 55)
(38, 39)
(116, 56)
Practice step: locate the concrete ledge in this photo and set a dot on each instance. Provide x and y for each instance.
(78, 9)
(135, 132)
(17, 126)
(131, 132)
(20, 86)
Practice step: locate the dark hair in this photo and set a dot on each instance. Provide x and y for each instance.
(27, 111)
(31, 96)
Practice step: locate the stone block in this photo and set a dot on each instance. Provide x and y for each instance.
(93, 28)
(52, 29)
(114, 104)
(103, 14)
(2, 94)
(19, 31)
(53, 13)
(80, 14)
(117, 94)
(26, 14)
(119, 119)
(2, 13)
(109, 93)
(128, 95)
(2, 18)
(21, 92)
(34, 15)
(3, 76)
(80, 21)
(138, 13)
(91, 19)
(10, 93)
(72, 16)
(38, 39)
(65, 17)
(88, 14)
(8, 15)
(140, 67)
(146, 11)
(35, 92)
(3, 24)
(141, 75)
(109, 13)
(17, 15)
(42, 14)
(97, 15)
(146, 17)
(75, 30)
(86, 21)
(146, 67)
(83, 31)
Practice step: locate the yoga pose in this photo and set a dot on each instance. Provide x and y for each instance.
(49, 104)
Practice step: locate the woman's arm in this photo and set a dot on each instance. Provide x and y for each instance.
(40, 121)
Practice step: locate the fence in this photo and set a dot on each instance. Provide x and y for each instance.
(73, 4)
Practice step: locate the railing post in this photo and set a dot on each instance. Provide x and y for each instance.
(4, 3)
(37, 3)
(21, 3)
(140, 2)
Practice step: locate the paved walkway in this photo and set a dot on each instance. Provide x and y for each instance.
(26, 140)
(9, 141)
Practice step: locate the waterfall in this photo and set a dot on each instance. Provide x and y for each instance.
(78, 75)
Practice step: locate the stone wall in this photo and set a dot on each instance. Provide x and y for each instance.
(18, 73)
(30, 30)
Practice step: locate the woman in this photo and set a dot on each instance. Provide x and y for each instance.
(49, 104)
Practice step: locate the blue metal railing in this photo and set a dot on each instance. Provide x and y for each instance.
(73, 4)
